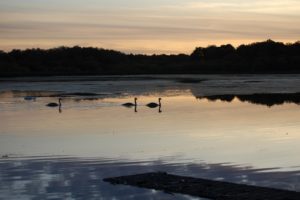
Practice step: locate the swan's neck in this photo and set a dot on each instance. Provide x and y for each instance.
(135, 101)
(59, 102)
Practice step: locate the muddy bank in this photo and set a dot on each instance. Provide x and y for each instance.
(202, 187)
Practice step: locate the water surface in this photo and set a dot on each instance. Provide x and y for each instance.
(252, 139)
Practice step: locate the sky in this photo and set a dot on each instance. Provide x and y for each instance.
(146, 26)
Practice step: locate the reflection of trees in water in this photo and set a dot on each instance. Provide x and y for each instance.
(261, 99)
(268, 99)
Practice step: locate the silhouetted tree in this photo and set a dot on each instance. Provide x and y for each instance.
(261, 57)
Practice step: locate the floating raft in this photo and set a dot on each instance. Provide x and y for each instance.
(203, 188)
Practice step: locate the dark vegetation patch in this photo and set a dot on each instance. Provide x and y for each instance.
(202, 187)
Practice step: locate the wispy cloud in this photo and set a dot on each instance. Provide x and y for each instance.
(146, 26)
(261, 6)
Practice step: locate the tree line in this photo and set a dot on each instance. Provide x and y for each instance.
(260, 57)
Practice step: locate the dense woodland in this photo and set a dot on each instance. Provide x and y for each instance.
(261, 57)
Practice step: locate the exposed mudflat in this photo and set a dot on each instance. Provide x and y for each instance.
(203, 188)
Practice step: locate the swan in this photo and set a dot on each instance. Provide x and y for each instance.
(52, 104)
(129, 104)
(154, 105)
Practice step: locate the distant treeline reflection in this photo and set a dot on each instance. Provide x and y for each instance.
(261, 99)
(261, 57)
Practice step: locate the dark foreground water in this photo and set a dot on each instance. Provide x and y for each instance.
(243, 129)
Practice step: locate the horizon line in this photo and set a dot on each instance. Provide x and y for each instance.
(134, 52)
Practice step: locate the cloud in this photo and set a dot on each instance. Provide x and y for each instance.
(161, 26)
(262, 6)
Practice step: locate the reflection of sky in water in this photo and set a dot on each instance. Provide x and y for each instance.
(235, 132)
(260, 144)
(74, 178)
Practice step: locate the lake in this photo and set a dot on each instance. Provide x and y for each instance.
(242, 129)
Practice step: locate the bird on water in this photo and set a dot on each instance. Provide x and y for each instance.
(53, 104)
(130, 104)
(154, 105)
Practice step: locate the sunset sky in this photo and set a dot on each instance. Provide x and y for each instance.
(146, 26)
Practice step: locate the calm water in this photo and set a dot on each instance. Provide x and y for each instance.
(65, 154)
